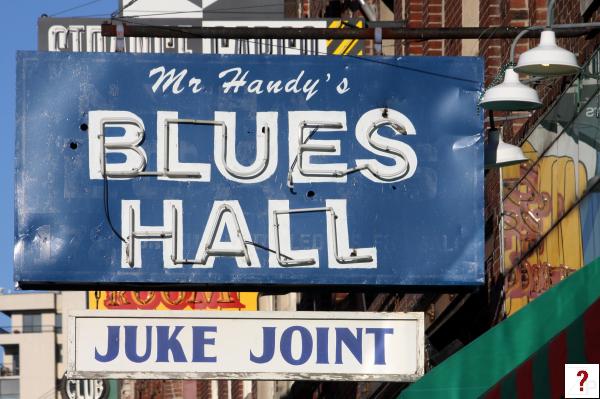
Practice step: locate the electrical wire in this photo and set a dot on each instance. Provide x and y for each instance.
(158, 14)
(264, 247)
(316, 52)
(129, 20)
(75, 8)
(202, 10)
(120, 10)
(103, 16)
(118, 235)
(312, 133)
(107, 210)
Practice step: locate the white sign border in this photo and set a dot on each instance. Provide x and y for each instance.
(72, 373)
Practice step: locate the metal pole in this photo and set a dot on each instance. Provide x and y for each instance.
(500, 32)
(367, 10)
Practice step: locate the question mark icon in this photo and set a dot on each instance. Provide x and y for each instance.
(584, 376)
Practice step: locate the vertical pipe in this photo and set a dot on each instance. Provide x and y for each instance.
(367, 10)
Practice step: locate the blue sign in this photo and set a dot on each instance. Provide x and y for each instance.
(248, 171)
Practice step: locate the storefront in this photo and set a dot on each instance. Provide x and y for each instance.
(524, 356)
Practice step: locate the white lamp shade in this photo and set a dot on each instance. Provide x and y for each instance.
(510, 95)
(547, 59)
(497, 153)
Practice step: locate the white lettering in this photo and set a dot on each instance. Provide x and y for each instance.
(404, 157)
(234, 83)
(134, 233)
(281, 238)
(225, 157)
(166, 122)
(302, 126)
(226, 215)
(170, 79)
(274, 86)
(128, 145)
(339, 253)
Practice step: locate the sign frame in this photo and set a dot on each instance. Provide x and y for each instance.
(302, 318)
(389, 224)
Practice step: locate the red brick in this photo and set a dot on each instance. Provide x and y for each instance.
(519, 4)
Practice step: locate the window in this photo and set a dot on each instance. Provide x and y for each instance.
(9, 388)
(59, 354)
(16, 363)
(32, 323)
(58, 323)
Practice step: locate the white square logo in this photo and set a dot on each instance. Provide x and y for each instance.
(581, 381)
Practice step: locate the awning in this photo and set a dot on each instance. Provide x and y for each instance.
(524, 356)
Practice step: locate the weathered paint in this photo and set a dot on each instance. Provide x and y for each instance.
(246, 345)
(379, 218)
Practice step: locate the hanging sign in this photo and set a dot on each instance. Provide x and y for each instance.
(84, 35)
(172, 300)
(358, 346)
(84, 389)
(172, 170)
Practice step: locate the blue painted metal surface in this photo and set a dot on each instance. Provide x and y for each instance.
(427, 230)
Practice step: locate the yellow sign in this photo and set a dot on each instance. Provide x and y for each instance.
(172, 300)
(536, 210)
(346, 46)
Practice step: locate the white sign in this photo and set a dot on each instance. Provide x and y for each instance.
(84, 389)
(357, 346)
(164, 9)
(581, 381)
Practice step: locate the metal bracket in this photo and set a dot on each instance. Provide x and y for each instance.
(120, 45)
(378, 41)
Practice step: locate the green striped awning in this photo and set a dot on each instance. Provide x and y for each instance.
(524, 356)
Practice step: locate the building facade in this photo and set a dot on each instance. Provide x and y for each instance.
(35, 342)
(541, 220)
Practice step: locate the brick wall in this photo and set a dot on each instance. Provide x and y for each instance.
(453, 18)
(203, 389)
(399, 15)
(433, 18)
(414, 15)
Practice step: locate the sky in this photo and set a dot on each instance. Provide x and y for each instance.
(19, 32)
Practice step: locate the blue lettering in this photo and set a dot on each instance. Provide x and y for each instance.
(286, 345)
(268, 346)
(379, 334)
(112, 346)
(322, 345)
(166, 344)
(131, 344)
(351, 341)
(200, 341)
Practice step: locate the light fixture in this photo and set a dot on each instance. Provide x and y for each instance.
(498, 154)
(547, 59)
(510, 95)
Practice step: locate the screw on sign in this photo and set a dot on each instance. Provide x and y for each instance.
(581, 381)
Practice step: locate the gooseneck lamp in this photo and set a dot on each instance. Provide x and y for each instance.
(547, 58)
(497, 153)
(510, 95)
